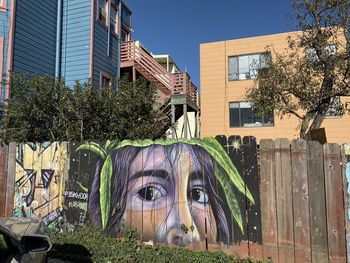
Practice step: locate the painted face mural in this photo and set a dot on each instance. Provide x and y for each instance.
(172, 192)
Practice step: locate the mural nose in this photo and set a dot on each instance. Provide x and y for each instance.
(179, 216)
(176, 237)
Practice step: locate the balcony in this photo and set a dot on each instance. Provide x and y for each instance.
(132, 54)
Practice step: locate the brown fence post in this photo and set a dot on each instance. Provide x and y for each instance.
(251, 175)
(300, 201)
(268, 199)
(3, 178)
(334, 203)
(10, 182)
(317, 203)
(284, 201)
(346, 177)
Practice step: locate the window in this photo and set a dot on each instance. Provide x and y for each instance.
(124, 35)
(246, 66)
(114, 20)
(334, 109)
(102, 11)
(242, 115)
(126, 16)
(311, 52)
(3, 5)
(105, 80)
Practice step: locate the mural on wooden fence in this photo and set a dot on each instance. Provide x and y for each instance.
(280, 199)
(173, 192)
(39, 181)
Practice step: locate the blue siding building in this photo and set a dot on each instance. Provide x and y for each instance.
(78, 40)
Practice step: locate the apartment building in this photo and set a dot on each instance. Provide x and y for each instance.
(75, 39)
(90, 41)
(227, 71)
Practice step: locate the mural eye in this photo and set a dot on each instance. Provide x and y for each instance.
(199, 195)
(149, 193)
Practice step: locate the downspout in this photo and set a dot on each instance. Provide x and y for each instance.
(119, 38)
(108, 14)
(58, 38)
(10, 46)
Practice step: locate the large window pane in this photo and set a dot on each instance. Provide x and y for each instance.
(232, 68)
(243, 115)
(234, 117)
(246, 66)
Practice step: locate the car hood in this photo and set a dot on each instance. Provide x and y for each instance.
(15, 228)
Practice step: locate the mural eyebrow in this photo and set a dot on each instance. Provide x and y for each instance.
(151, 173)
(197, 175)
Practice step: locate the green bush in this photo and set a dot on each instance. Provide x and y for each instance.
(90, 245)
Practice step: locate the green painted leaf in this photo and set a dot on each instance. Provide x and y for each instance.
(105, 189)
(108, 142)
(230, 197)
(221, 156)
(112, 145)
(83, 188)
(95, 148)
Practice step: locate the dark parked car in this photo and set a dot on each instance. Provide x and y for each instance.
(23, 240)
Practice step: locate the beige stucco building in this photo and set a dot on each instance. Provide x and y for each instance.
(225, 75)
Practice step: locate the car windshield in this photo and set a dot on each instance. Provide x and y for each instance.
(4, 249)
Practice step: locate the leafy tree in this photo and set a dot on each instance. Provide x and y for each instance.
(44, 109)
(307, 79)
(31, 114)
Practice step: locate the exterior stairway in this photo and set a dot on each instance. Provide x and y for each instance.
(177, 92)
(132, 54)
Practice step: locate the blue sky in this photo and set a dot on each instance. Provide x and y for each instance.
(177, 27)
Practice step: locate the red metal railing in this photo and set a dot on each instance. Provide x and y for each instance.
(176, 83)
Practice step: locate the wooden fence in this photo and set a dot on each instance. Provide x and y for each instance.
(303, 199)
(301, 209)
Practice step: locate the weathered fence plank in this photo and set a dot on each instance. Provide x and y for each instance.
(268, 199)
(250, 166)
(284, 201)
(334, 203)
(300, 202)
(11, 174)
(345, 160)
(317, 201)
(236, 155)
(235, 152)
(3, 177)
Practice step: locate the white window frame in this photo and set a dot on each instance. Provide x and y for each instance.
(234, 66)
(103, 11)
(104, 75)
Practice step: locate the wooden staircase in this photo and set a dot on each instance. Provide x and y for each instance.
(132, 54)
(178, 94)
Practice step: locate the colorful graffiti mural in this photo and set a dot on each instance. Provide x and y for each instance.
(39, 180)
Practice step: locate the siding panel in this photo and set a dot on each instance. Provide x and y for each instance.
(35, 37)
(75, 62)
